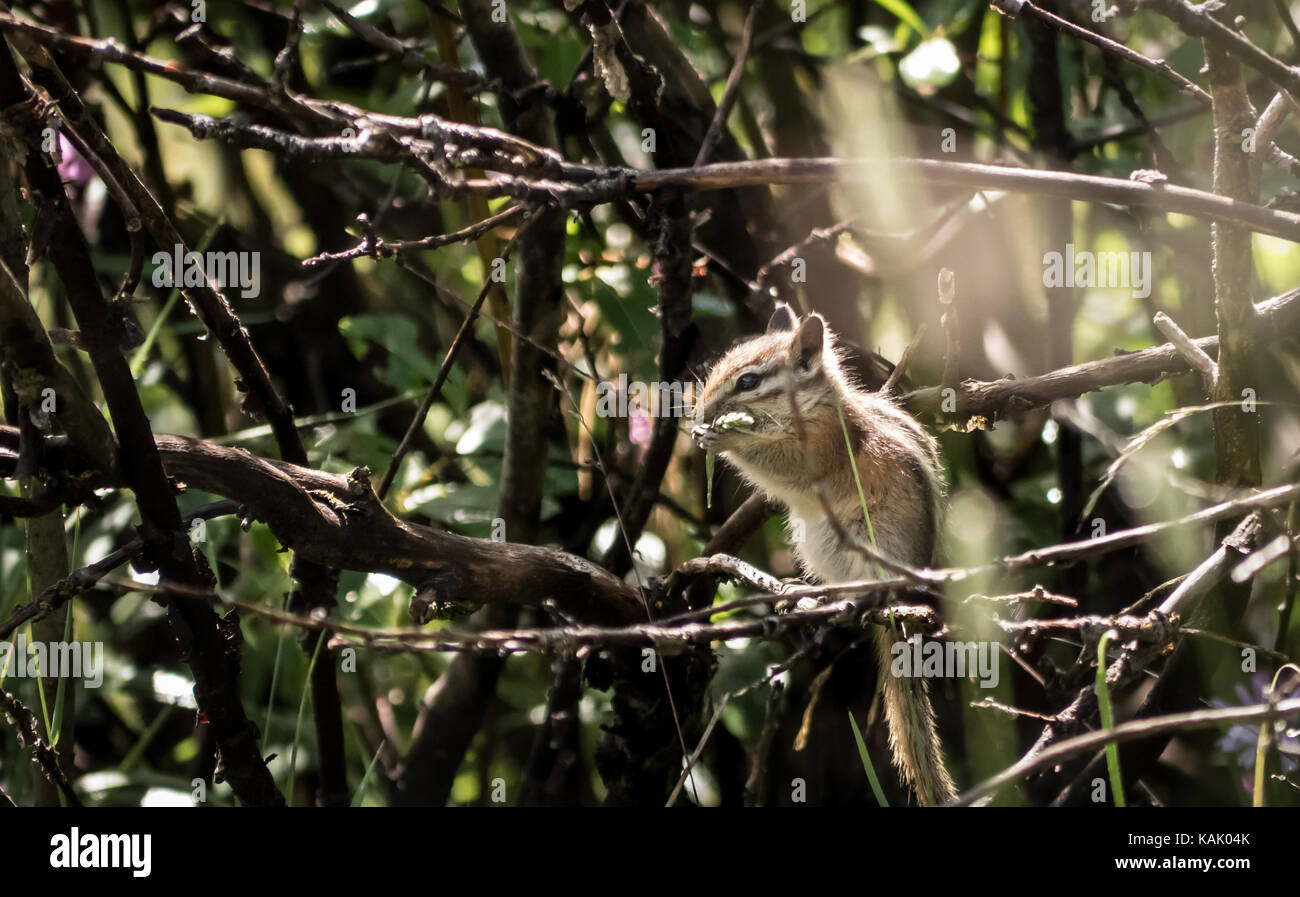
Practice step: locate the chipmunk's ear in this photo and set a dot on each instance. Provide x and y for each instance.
(782, 319)
(807, 344)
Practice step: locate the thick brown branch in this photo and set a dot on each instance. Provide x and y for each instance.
(337, 520)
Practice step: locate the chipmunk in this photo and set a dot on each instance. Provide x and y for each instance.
(745, 414)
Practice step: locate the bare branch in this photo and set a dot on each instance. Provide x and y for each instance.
(1131, 731)
(1193, 354)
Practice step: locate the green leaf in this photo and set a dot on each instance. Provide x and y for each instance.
(708, 478)
(905, 14)
(866, 763)
(1108, 722)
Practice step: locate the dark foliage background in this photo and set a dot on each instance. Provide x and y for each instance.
(651, 284)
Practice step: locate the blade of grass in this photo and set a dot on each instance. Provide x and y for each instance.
(1108, 721)
(862, 495)
(905, 14)
(1261, 743)
(61, 692)
(40, 691)
(302, 706)
(275, 677)
(142, 354)
(866, 763)
(146, 738)
(708, 479)
(1261, 759)
(365, 779)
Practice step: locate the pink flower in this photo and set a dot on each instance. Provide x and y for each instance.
(639, 428)
(74, 169)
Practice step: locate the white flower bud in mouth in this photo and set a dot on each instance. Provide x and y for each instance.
(736, 421)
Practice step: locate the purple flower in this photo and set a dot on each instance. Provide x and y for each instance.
(74, 169)
(1241, 741)
(639, 428)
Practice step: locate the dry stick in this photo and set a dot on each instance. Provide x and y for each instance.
(127, 206)
(1011, 8)
(264, 95)
(675, 287)
(1289, 596)
(379, 248)
(767, 677)
(1090, 188)
(1288, 23)
(282, 495)
(561, 362)
(288, 55)
(46, 757)
(1052, 554)
(317, 585)
(1197, 21)
(1153, 628)
(721, 565)
(948, 321)
(210, 306)
(1130, 731)
(699, 748)
(27, 35)
(1270, 121)
(390, 138)
(613, 184)
(815, 236)
(891, 384)
(1236, 434)
(1276, 317)
(1267, 498)
(1135, 656)
(203, 643)
(411, 58)
(31, 365)
(58, 594)
(762, 751)
(546, 180)
(444, 370)
(568, 639)
(672, 633)
(1194, 354)
(730, 92)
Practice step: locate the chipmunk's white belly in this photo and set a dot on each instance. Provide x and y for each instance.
(818, 547)
(822, 554)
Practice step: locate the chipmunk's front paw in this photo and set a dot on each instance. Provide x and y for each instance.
(705, 436)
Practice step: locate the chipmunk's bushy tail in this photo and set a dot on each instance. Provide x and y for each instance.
(913, 734)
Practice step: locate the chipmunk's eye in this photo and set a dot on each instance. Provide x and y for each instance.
(747, 381)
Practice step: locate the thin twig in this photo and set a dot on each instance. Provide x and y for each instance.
(1186, 347)
(731, 91)
(1130, 731)
(891, 383)
(435, 390)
